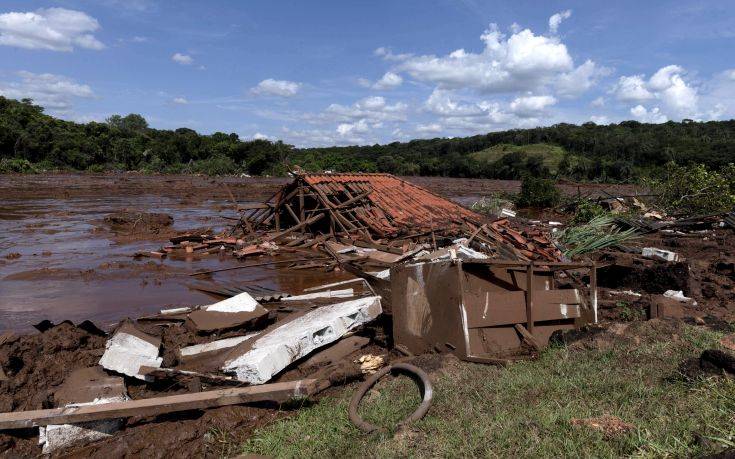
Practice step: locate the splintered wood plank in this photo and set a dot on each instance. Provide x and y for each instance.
(278, 392)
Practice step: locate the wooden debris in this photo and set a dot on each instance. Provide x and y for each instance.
(277, 392)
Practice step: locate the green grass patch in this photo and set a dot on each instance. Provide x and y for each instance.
(550, 155)
(525, 410)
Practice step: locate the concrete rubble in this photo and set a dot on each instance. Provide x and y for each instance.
(258, 361)
(130, 349)
(84, 387)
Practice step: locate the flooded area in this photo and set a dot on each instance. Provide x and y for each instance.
(60, 260)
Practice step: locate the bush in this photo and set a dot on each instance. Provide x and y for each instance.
(16, 165)
(694, 189)
(586, 211)
(538, 192)
(215, 165)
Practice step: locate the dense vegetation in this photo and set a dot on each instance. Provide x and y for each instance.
(31, 140)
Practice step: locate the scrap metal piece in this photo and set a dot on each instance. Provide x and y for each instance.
(418, 373)
(257, 361)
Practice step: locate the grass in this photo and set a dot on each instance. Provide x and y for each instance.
(525, 410)
(550, 154)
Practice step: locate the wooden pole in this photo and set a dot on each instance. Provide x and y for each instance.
(278, 392)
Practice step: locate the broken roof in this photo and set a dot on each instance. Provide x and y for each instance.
(396, 204)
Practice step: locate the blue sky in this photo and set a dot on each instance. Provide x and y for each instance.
(340, 73)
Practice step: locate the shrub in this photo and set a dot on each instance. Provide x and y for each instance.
(538, 192)
(586, 211)
(694, 189)
(215, 165)
(16, 165)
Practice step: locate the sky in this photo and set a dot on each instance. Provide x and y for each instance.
(328, 72)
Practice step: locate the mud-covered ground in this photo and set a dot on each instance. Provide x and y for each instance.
(66, 246)
(67, 240)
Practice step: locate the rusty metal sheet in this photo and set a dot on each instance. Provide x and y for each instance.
(470, 310)
(494, 309)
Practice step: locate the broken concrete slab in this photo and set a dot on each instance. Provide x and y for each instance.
(199, 349)
(233, 312)
(87, 384)
(129, 349)
(238, 303)
(257, 361)
(83, 387)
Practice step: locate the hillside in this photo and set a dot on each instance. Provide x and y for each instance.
(31, 140)
(549, 156)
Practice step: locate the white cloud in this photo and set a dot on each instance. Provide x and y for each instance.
(675, 93)
(598, 102)
(581, 79)
(440, 103)
(432, 128)
(389, 81)
(271, 87)
(51, 91)
(183, 59)
(556, 19)
(320, 137)
(530, 106)
(388, 55)
(632, 89)
(55, 29)
(654, 115)
(600, 119)
(259, 136)
(364, 82)
(372, 109)
(348, 129)
(180, 100)
(717, 96)
(522, 62)
(678, 98)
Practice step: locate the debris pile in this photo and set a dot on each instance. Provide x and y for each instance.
(428, 276)
(402, 243)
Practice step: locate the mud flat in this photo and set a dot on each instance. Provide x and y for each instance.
(64, 254)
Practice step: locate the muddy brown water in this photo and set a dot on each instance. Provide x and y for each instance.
(71, 267)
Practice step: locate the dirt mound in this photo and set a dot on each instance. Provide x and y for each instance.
(127, 222)
(628, 271)
(36, 364)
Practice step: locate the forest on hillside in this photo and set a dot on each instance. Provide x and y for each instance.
(31, 140)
